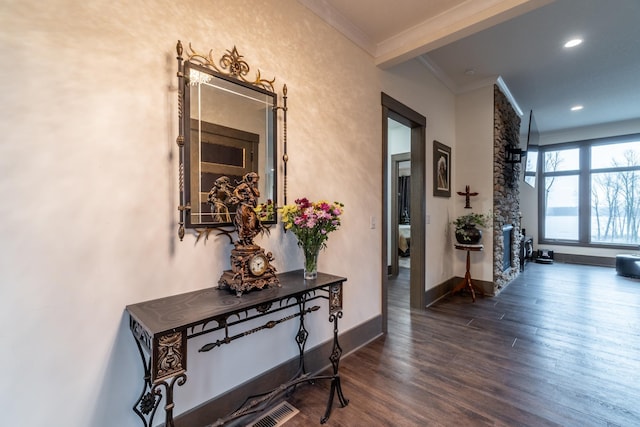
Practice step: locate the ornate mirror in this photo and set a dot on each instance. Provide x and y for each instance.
(227, 129)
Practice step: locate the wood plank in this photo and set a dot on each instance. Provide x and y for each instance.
(560, 346)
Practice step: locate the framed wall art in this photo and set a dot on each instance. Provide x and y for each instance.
(441, 170)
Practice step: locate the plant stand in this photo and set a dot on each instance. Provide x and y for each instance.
(466, 283)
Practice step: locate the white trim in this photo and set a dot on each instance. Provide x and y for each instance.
(437, 71)
(450, 84)
(505, 90)
(333, 17)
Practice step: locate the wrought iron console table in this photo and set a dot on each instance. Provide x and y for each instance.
(162, 327)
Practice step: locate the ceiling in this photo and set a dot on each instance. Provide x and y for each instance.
(471, 43)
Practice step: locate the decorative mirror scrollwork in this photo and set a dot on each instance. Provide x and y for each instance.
(227, 129)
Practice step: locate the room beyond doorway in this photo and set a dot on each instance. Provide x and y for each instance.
(399, 203)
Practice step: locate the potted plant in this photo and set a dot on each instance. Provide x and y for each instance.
(466, 227)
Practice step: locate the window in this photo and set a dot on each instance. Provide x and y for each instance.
(591, 192)
(561, 207)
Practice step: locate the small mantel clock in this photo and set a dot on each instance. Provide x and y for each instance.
(251, 266)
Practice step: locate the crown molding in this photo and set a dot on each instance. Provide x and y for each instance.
(507, 93)
(457, 90)
(338, 21)
(458, 22)
(437, 71)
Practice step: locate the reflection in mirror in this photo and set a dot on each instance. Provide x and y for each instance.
(228, 128)
(227, 142)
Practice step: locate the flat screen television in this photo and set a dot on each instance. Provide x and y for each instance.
(531, 164)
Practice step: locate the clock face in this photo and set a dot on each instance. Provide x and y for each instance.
(258, 264)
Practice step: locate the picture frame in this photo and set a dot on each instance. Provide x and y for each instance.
(441, 170)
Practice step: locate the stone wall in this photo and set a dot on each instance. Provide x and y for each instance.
(506, 189)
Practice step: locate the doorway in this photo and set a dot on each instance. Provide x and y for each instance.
(416, 124)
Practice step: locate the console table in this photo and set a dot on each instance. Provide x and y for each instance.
(162, 327)
(466, 282)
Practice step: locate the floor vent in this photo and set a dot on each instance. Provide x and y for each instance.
(276, 416)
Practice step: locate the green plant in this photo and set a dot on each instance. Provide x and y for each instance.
(469, 221)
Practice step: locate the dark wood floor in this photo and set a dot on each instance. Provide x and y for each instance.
(559, 346)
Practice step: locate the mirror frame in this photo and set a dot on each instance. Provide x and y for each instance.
(232, 69)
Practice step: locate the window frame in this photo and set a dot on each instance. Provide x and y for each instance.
(584, 189)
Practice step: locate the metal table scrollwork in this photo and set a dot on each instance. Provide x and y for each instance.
(162, 327)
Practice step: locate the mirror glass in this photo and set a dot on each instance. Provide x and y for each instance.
(229, 130)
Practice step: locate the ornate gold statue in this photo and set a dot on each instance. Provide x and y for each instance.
(246, 221)
(251, 267)
(218, 197)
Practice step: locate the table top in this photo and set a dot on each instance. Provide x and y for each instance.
(189, 309)
(469, 247)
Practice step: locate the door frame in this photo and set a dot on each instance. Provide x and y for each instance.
(394, 109)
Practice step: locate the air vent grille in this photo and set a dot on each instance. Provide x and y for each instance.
(277, 416)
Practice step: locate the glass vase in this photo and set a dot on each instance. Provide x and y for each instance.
(310, 263)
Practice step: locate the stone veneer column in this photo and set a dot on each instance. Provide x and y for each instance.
(506, 188)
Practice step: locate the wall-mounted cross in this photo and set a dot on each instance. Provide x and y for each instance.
(467, 196)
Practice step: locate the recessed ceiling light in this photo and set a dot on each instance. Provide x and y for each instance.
(573, 43)
(469, 71)
(577, 107)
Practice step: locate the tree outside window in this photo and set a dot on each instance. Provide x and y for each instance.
(601, 198)
(615, 207)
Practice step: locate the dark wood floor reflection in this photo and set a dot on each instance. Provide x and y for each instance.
(559, 346)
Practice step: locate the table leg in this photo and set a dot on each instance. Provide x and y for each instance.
(467, 282)
(336, 387)
(151, 395)
(302, 335)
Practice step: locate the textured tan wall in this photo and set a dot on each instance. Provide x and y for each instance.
(473, 159)
(89, 188)
(89, 162)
